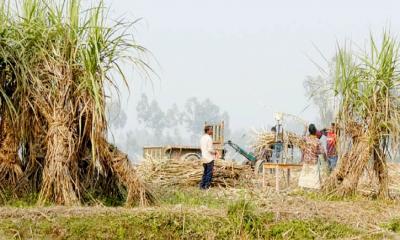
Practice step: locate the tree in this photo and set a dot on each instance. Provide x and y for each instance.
(115, 115)
(164, 126)
(173, 117)
(151, 116)
(321, 91)
(196, 113)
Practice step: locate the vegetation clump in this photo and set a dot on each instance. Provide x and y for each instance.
(368, 117)
(55, 61)
(169, 224)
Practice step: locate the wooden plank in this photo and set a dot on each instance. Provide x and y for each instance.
(281, 165)
(288, 167)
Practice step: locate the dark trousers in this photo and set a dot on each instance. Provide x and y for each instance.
(207, 175)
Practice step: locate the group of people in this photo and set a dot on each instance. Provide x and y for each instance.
(319, 150)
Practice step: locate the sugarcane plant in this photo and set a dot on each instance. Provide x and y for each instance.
(55, 62)
(367, 86)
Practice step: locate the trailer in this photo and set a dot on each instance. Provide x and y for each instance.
(172, 152)
(191, 153)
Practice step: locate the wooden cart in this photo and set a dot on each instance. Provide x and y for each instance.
(186, 152)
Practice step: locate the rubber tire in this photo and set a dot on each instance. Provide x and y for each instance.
(190, 157)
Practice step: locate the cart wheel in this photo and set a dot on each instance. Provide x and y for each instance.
(258, 167)
(190, 157)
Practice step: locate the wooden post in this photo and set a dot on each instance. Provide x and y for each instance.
(278, 167)
(277, 173)
(222, 133)
(288, 177)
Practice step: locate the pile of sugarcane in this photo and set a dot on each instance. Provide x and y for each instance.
(295, 140)
(367, 86)
(170, 172)
(264, 140)
(263, 143)
(369, 184)
(55, 60)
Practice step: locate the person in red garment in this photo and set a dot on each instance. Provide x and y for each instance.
(311, 173)
(331, 151)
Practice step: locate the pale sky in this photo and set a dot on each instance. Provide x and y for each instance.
(249, 57)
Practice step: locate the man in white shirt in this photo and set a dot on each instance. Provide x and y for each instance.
(208, 155)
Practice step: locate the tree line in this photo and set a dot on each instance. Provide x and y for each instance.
(175, 125)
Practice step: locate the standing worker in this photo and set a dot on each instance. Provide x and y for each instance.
(331, 151)
(311, 173)
(272, 147)
(208, 155)
(323, 138)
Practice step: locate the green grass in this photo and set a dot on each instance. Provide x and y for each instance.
(311, 229)
(162, 224)
(320, 196)
(31, 199)
(8, 199)
(193, 197)
(204, 215)
(146, 225)
(244, 218)
(393, 225)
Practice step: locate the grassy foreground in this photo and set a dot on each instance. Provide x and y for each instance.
(172, 224)
(180, 214)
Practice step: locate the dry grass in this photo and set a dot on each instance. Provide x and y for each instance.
(189, 173)
(362, 210)
(10, 164)
(138, 191)
(292, 208)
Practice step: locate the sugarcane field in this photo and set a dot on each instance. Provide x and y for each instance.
(150, 119)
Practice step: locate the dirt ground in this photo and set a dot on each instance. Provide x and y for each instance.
(361, 210)
(291, 203)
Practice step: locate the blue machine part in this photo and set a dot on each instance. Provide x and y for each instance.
(276, 153)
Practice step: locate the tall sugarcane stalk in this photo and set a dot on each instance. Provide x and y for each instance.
(367, 85)
(55, 60)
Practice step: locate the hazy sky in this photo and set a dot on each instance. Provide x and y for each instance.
(249, 57)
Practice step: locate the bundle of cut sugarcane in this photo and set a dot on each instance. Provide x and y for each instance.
(295, 140)
(264, 141)
(189, 173)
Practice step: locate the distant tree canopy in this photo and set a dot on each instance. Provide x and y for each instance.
(170, 126)
(196, 113)
(116, 116)
(151, 116)
(166, 124)
(320, 89)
